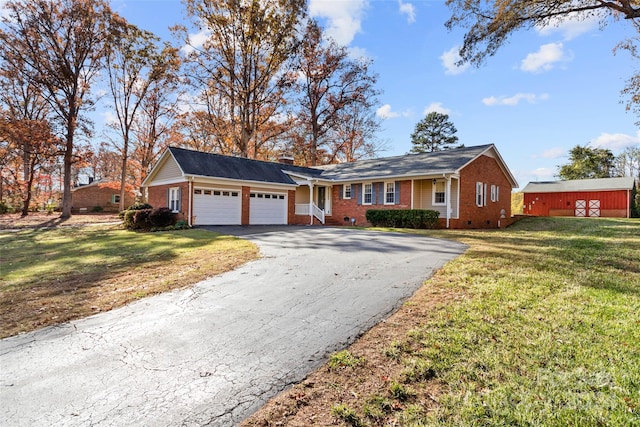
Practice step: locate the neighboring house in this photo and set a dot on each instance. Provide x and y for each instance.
(99, 196)
(470, 187)
(603, 197)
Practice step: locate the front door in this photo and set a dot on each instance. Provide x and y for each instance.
(322, 193)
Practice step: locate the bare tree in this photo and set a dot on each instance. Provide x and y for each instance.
(25, 125)
(331, 88)
(238, 69)
(62, 45)
(134, 62)
(490, 23)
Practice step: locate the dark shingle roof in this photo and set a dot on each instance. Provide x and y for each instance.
(437, 162)
(198, 163)
(240, 168)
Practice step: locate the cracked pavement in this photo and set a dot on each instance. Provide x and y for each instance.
(213, 354)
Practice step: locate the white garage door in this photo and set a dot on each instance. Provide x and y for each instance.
(267, 208)
(217, 207)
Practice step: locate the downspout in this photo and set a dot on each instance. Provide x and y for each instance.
(448, 198)
(190, 187)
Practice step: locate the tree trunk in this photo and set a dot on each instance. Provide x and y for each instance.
(68, 161)
(123, 174)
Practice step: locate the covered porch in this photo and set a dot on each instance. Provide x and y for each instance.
(313, 199)
(441, 194)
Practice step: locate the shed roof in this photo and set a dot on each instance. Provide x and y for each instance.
(597, 184)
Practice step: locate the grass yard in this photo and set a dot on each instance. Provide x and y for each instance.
(52, 276)
(535, 325)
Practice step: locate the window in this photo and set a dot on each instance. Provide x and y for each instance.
(389, 193)
(115, 198)
(347, 191)
(197, 191)
(174, 199)
(495, 193)
(481, 189)
(368, 191)
(439, 198)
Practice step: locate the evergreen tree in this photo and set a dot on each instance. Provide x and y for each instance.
(434, 133)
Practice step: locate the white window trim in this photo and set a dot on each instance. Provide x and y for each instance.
(433, 194)
(364, 193)
(495, 193)
(344, 191)
(393, 193)
(481, 194)
(174, 196)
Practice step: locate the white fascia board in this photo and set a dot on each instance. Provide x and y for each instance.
(157, 166)
(198, 179)
(381, 178)
(501, 162)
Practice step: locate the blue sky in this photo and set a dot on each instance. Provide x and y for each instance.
(544, 92)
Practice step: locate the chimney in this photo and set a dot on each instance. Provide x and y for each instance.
(285, 159)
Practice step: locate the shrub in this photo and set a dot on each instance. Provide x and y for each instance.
(403, 218)
(161, 217)
(97, 209)
(181, 225)
(141, 219)
(3, 208)
(133, 208)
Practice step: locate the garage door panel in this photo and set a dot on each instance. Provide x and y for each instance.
(267, 208)
(217, 207)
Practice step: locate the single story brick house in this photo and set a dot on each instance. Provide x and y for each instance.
(470, 187)
(99, 195)
(602, 197)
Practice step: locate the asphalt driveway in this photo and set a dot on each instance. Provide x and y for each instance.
(213, 354)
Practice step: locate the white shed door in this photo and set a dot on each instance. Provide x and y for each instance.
(267, 208)
(217, 207)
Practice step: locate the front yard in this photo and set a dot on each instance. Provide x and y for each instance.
(535, 325)
(52, 276)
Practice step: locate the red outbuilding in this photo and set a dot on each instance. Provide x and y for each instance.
(603, 197)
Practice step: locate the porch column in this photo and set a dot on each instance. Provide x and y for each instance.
(448, 198)
(310, 202)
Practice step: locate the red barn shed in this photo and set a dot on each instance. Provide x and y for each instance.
(603, 197)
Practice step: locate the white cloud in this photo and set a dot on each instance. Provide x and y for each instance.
(514, 100)
(554, 153)
(543, 174)
(344, 17)
(109, 118)
(357, 53)
(436, 107)
(449, 61)
(386, 112)
(615, 141)
(409, 10)
(544, 59)
(570, 27)
(196, 40)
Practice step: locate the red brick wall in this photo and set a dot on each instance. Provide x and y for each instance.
(157, 197)
(291, 207)
(349, 207)
(246, 200)
(90, 197)
(486, 170)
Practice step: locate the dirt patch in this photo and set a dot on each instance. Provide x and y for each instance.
(378, 381)
(43, 220)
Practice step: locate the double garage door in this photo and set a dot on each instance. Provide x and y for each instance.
(224, 207)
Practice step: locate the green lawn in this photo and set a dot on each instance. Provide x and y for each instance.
(549, 331)
(50, 276)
